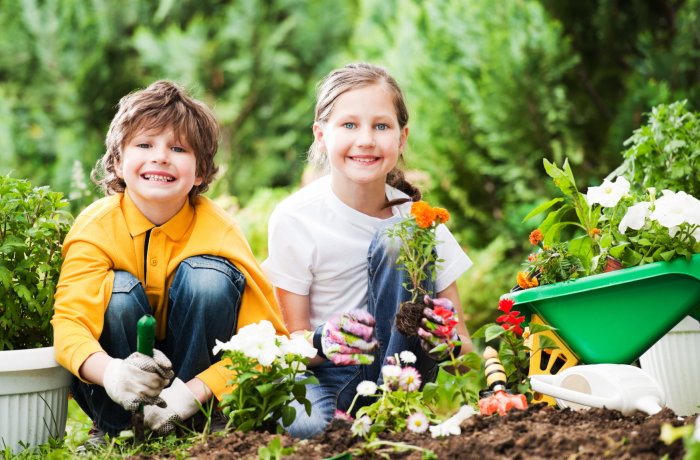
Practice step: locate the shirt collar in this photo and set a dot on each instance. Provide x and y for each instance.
(137, 223)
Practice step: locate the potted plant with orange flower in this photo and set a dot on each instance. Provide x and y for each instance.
(553, 264)
(417, 256)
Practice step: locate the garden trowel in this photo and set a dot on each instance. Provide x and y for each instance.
(502, 401)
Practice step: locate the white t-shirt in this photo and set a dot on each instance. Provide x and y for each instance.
(318, 247)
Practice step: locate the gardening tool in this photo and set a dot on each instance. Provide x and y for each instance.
(614, 386)
(145, 339)
(496, 379)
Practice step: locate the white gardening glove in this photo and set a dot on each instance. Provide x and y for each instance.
(181, 405)
(138, 379)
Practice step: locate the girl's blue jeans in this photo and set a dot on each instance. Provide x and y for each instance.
(203, 305)
(337, 384)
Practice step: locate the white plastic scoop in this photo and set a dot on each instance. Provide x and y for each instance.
(614, 386)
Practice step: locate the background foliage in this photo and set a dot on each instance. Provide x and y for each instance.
(493, 88)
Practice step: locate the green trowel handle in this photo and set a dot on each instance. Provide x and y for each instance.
(146, 335)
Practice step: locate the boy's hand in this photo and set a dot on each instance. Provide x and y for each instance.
(348, 336)
(437, 326)
(138, 379)
(181, 405)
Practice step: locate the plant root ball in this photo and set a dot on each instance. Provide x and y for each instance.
(408, 318)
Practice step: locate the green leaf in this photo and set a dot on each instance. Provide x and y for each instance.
(618, 251)
(288, 415)
(265, 389)
(644, 242)
(439, 348)
(494, 332)
(606, 240)
(481, 332)
(542, 208)
(536, 328)
(547, 343)
(471, 360)
(631, 258)
(429, 390)
(554, 218)
(5, 277)
(246, 426)
(553, 235)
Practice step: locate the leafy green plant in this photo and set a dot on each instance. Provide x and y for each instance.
(583, 247)
(665, 152)
(643, 230)
(553, 264)
(274, 450)
(264, 368)
(514, 353)
(398, 402)
(32, 230)
(417, 239)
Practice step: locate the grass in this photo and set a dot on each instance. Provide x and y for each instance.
(77, 429)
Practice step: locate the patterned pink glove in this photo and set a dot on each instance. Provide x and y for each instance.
(347, 337)
(437, 326)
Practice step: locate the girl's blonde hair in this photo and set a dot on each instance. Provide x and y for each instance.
(355, 76)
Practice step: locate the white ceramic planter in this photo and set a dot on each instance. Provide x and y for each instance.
(33, 398)
(674, 361)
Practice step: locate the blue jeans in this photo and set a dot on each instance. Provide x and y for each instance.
(337, 384)
(204, 300)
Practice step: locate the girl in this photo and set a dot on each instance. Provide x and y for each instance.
(333, 268)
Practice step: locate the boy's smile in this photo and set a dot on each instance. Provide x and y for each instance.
(159, 170)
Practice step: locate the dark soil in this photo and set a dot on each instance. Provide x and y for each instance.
(408, 318)
(539, 432)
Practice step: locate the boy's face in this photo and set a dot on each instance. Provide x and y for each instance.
(159, 171)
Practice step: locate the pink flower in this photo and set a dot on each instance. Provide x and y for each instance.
(417, 422)
(410, 379)
(340, 415)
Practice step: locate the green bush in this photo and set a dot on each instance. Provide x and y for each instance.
(664, 153)
(32, 230)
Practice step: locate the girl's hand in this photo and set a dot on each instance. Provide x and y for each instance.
(347, 337)
(437, 326)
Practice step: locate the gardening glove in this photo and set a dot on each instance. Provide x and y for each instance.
(347, 337)
(181, 405)
(138, 379)
(437, 326)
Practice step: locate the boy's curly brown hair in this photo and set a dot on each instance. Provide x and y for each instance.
(162, 105)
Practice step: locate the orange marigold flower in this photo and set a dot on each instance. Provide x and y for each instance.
(594, 231)
(425, 215)
(525, 282)
(441, 215)
(536, 237)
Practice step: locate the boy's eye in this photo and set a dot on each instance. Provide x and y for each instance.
(178, 149)
(144, 146)
(382, 127)
(349, 125)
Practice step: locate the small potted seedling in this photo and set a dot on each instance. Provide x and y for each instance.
(417, 256)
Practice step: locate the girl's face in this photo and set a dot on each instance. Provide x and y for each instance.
(362, 136)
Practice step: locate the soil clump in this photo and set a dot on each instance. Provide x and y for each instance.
(539, 432)
(408, 318)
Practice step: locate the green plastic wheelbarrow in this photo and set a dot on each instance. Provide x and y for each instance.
(615, 317)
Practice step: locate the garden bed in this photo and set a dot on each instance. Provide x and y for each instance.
(536, 433)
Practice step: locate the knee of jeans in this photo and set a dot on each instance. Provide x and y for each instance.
(124, 305)
(213, 280)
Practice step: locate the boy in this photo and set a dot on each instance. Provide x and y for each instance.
(154, 246)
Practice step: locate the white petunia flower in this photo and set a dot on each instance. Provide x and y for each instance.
(407, 357)
(635, 217)
(366, 388)
(675, 209)
(297, 346)
(608, 194)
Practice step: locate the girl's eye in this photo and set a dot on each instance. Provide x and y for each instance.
(382, 127)
(144, 146)
(349, 125)
(178, 149)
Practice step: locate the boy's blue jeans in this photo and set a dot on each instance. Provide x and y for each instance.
(203, 305)
(337, 384)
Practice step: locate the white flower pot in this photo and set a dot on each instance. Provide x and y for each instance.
(674, 361)
(33, 398)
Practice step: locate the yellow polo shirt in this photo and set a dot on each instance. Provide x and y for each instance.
(110, 235)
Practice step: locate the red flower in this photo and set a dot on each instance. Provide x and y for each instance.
(505, 305)
(443, 312)
(532, 257)
(517, 330)
(505, 326)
